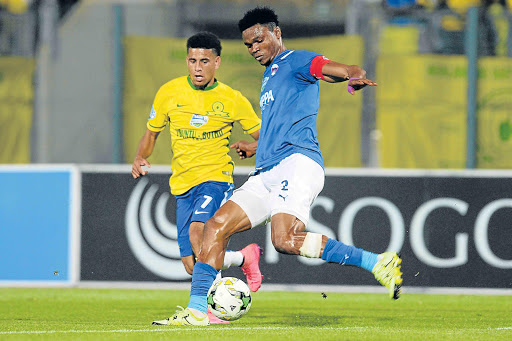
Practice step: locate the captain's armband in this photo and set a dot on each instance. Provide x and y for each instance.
(316, 66)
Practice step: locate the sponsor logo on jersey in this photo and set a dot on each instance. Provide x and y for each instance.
(266, 98)
(197, 135)
(198, 120)
(152, 114)
(212, 134)
(265, 80)
(274, 69)
(187, 134)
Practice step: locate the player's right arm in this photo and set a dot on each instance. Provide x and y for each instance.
(146, 145)
(156, 123)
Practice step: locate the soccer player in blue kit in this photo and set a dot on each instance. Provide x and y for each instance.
(289, 172)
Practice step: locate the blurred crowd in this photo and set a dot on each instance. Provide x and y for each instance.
(19, 24)
(443, 22)
(17, 27)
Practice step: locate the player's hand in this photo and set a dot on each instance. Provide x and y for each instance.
(137, 170)
(355, 84)
(245, 149)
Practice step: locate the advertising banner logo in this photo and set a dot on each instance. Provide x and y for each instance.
(452, 231)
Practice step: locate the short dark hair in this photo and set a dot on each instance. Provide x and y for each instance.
(205, 40)
(259, 15)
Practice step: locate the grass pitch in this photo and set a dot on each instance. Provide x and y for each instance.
(109, 314)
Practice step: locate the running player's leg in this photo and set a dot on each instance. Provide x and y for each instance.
(247, 208)
(196, 237)
(184, 210)
(247, 258)
(189, 225)
(288, 238)
(295, 183)
(209, 197)
(229, 219)
(194, 208)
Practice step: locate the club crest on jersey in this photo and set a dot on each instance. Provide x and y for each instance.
(274, 69)
(152, 114)
(198, 120)
(265, 80)
(218, 110)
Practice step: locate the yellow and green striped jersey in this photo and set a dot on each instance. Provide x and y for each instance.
(200, 122)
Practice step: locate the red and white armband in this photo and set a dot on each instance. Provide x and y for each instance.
(316, 66)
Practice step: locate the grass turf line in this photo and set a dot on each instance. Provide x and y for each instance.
(92, 314)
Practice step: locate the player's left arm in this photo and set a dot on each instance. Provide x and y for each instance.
(334, 72)
(247, 149)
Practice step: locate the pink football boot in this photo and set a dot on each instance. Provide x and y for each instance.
(251, 267)
(214, 319)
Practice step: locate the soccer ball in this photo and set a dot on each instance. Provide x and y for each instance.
(229, 298)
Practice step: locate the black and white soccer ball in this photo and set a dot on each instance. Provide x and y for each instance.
(229, 298)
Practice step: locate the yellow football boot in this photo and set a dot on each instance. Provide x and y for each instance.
(184, 317)
(387, 272)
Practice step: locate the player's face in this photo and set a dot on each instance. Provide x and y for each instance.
(202, 64)
(262, 43)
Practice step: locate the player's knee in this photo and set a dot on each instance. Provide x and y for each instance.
(282, 243)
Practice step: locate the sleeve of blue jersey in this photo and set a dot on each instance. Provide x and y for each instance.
(300, 61)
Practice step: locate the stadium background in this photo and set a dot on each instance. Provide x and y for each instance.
(77, 79)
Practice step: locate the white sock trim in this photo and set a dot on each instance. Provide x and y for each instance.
(235, 258)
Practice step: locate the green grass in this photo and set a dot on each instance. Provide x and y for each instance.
(107, 314)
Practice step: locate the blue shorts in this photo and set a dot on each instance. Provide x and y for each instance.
(198, 204)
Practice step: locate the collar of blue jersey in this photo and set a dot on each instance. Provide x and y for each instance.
(213, 86)
(280, 56)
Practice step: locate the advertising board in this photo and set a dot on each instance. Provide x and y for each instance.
(452, 229)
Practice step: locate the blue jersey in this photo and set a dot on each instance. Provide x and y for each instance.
(289, 103)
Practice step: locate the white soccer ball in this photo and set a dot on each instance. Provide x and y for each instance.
(229, 298)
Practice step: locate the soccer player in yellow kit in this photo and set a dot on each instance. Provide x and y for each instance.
(200, 112)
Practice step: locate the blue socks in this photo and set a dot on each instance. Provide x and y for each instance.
(334, 252)
(337, 252)
(203, 276)
(369, 260)
(198, 302)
